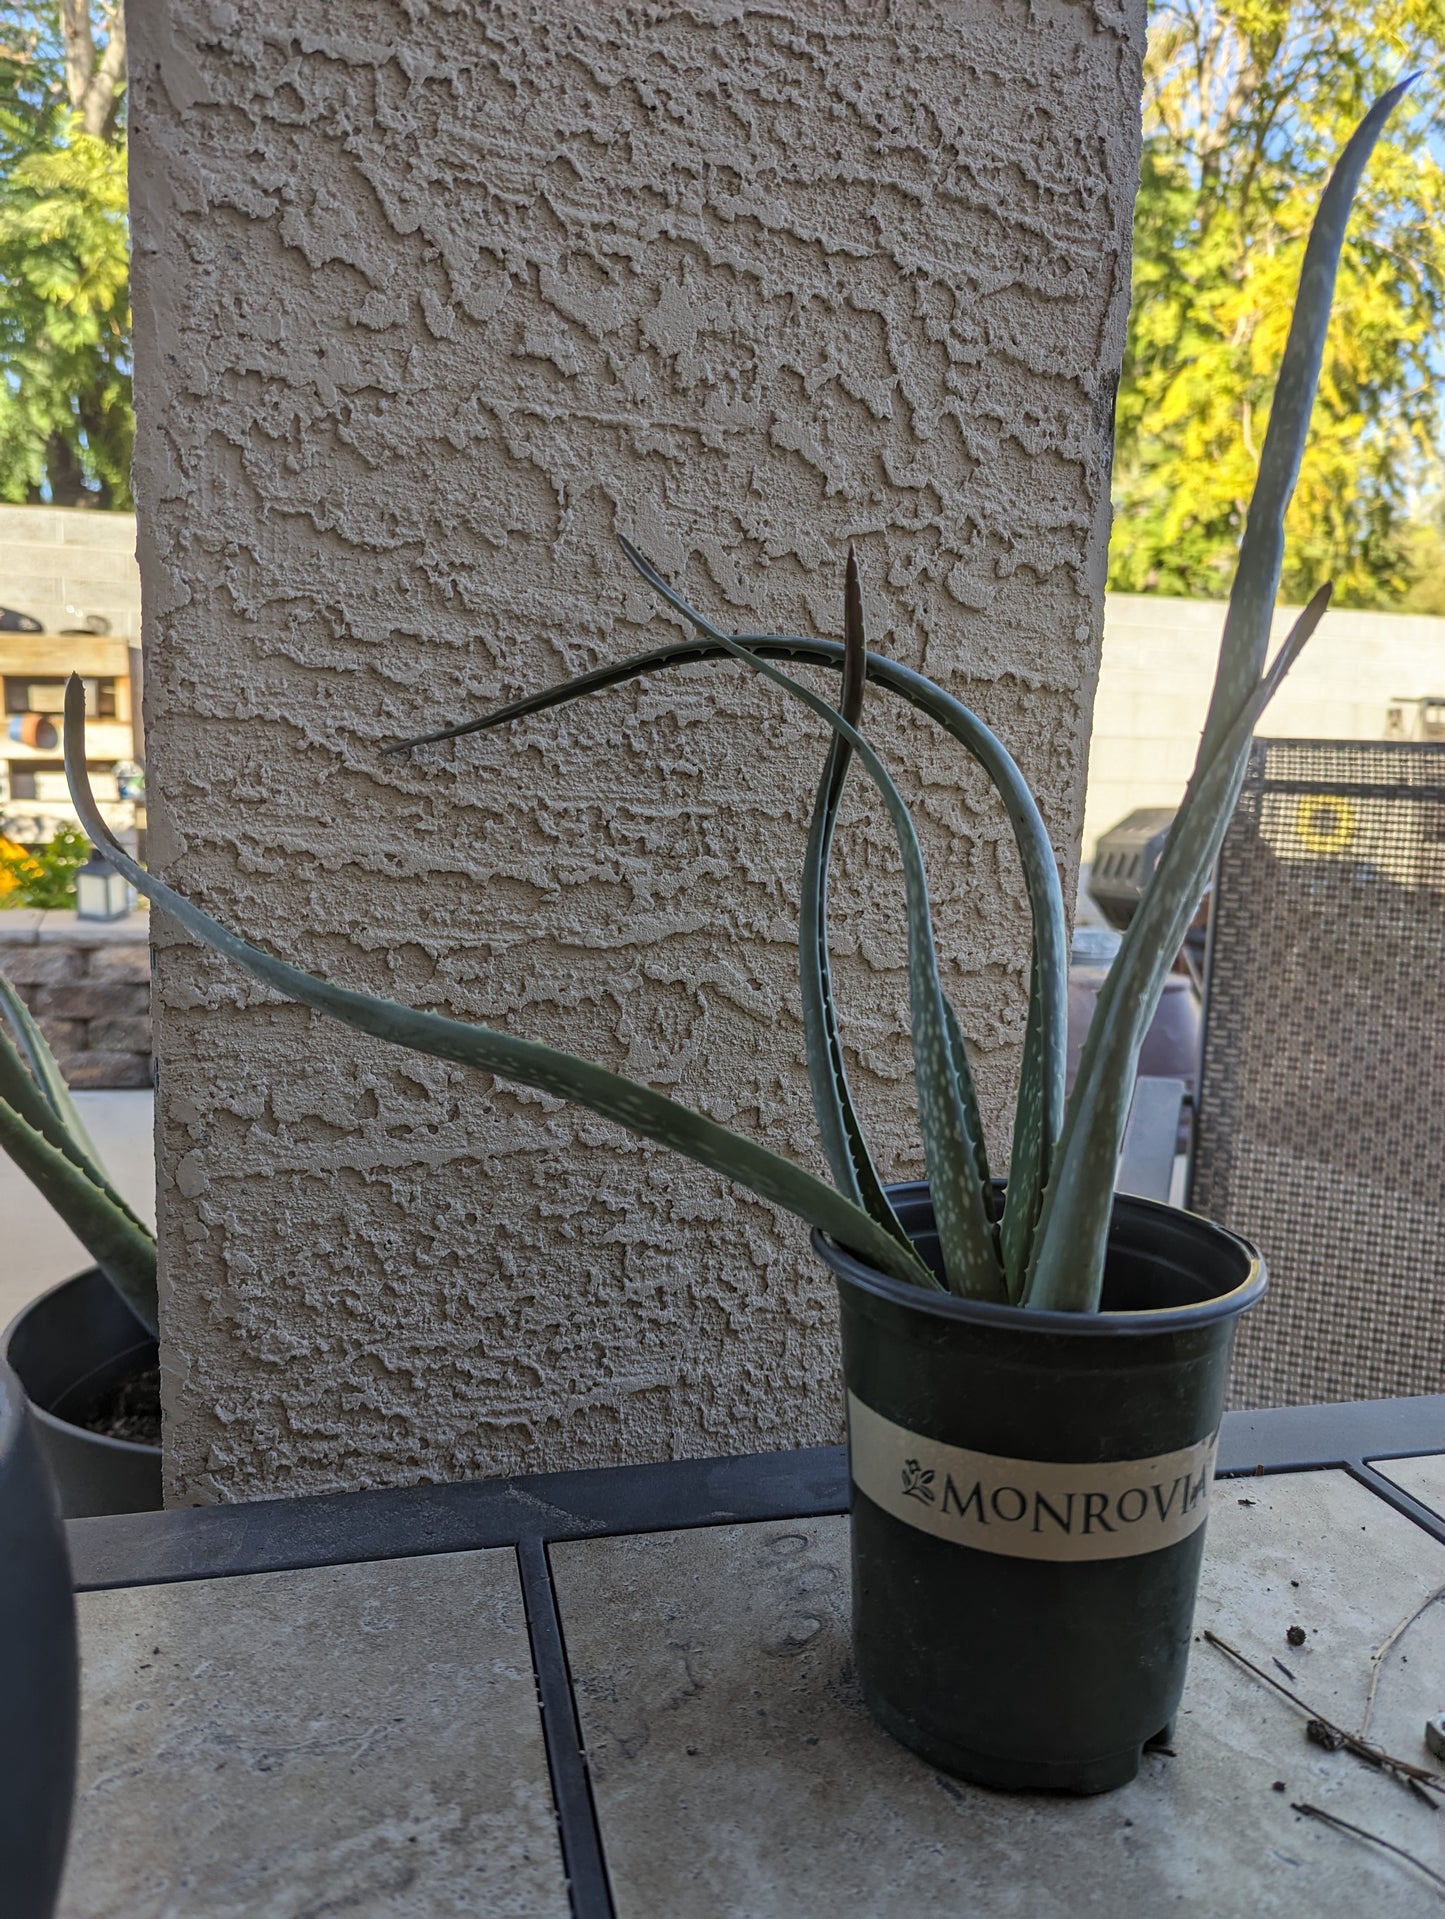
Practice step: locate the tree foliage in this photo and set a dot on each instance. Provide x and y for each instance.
(65, 367)
(1247, 102)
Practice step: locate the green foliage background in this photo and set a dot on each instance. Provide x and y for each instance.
(1247, 103)
(66, 425)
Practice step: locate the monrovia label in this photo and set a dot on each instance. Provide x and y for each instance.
(1029, 1508)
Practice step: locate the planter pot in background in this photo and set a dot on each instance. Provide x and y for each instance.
(72, 1343)
(38, 1670)
(1029, 1495)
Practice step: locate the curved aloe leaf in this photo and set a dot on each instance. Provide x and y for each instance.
(1041, 1102)
(1068, 1267)
(961, 1210)
(839, 1127)
(638, 1108)
(1049, 986)
(123, 1249)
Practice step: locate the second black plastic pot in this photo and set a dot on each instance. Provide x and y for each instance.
(39, 1682)
(66, 1347)
(1029, 1497)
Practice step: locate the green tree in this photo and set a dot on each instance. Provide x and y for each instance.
(1247, 102)
(66, 425)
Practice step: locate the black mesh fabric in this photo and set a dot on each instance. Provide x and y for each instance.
(1321, 1134)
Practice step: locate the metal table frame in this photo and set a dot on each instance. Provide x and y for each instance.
(532, 1514)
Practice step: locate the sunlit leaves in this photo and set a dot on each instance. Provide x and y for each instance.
(1246, 106)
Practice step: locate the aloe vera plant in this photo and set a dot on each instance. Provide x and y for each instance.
(41, 1129)
(1043, 1246)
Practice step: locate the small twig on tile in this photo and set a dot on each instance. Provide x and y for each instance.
(1324, 1732)
(1372, 1838)
(1377, 1657)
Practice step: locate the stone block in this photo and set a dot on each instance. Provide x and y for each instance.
(128, 963)
(68, 929)
(131, 1034)
(63, 1036)
(24, 525)
(41, 965)
(105, 999)
(95, 1072)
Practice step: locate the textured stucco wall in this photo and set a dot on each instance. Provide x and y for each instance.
(431, 300)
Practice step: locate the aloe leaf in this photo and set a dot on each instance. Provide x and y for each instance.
(1049, 991)
(1261, 554)
(124, 1250)
(840, 1129)
(961, 1209)
(1041, 1112)
(47, 1075)
(1033, 1146)
(42, 1097)
(1068, 1265)
(638, 1108)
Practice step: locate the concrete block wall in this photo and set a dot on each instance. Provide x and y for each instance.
(60, 563)
(1158, 667)
(88, 984)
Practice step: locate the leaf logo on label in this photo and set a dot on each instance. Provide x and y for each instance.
(1030, 1508)
(918, 1484)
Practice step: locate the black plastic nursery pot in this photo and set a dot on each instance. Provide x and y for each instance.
(1029, 1497)
(66, 1347)
(39, 1681)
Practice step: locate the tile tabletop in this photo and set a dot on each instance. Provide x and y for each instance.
(1423, 1478)
(737, 1773)
(357, 1739)
(629, 1694)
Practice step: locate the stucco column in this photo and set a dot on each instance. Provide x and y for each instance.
(431, 302)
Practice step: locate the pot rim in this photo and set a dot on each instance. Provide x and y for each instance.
(845, 1265)
(42, 1414)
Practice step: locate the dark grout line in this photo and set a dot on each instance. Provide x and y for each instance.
(581, 1837)
(1396, 1497)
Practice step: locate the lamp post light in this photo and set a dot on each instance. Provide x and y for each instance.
(101, 894)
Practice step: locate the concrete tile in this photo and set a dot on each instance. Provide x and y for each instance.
(1423, 1478)
(354, 1739)
(737, 1773)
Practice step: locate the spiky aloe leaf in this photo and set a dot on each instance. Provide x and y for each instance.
(41, 1096)
(961, 1210)
(1033, 1145)
(123, 1249)
(845, 1145)
(1068, 1266)
(30, 1043)
(638, 1108)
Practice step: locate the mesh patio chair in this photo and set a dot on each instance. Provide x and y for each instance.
(1321, 1129)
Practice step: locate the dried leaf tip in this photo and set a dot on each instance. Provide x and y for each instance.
(855, 645)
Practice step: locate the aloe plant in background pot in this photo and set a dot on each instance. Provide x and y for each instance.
(1035, 1369)
(85, 1351)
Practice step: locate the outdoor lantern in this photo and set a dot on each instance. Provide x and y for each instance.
(100, 894)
